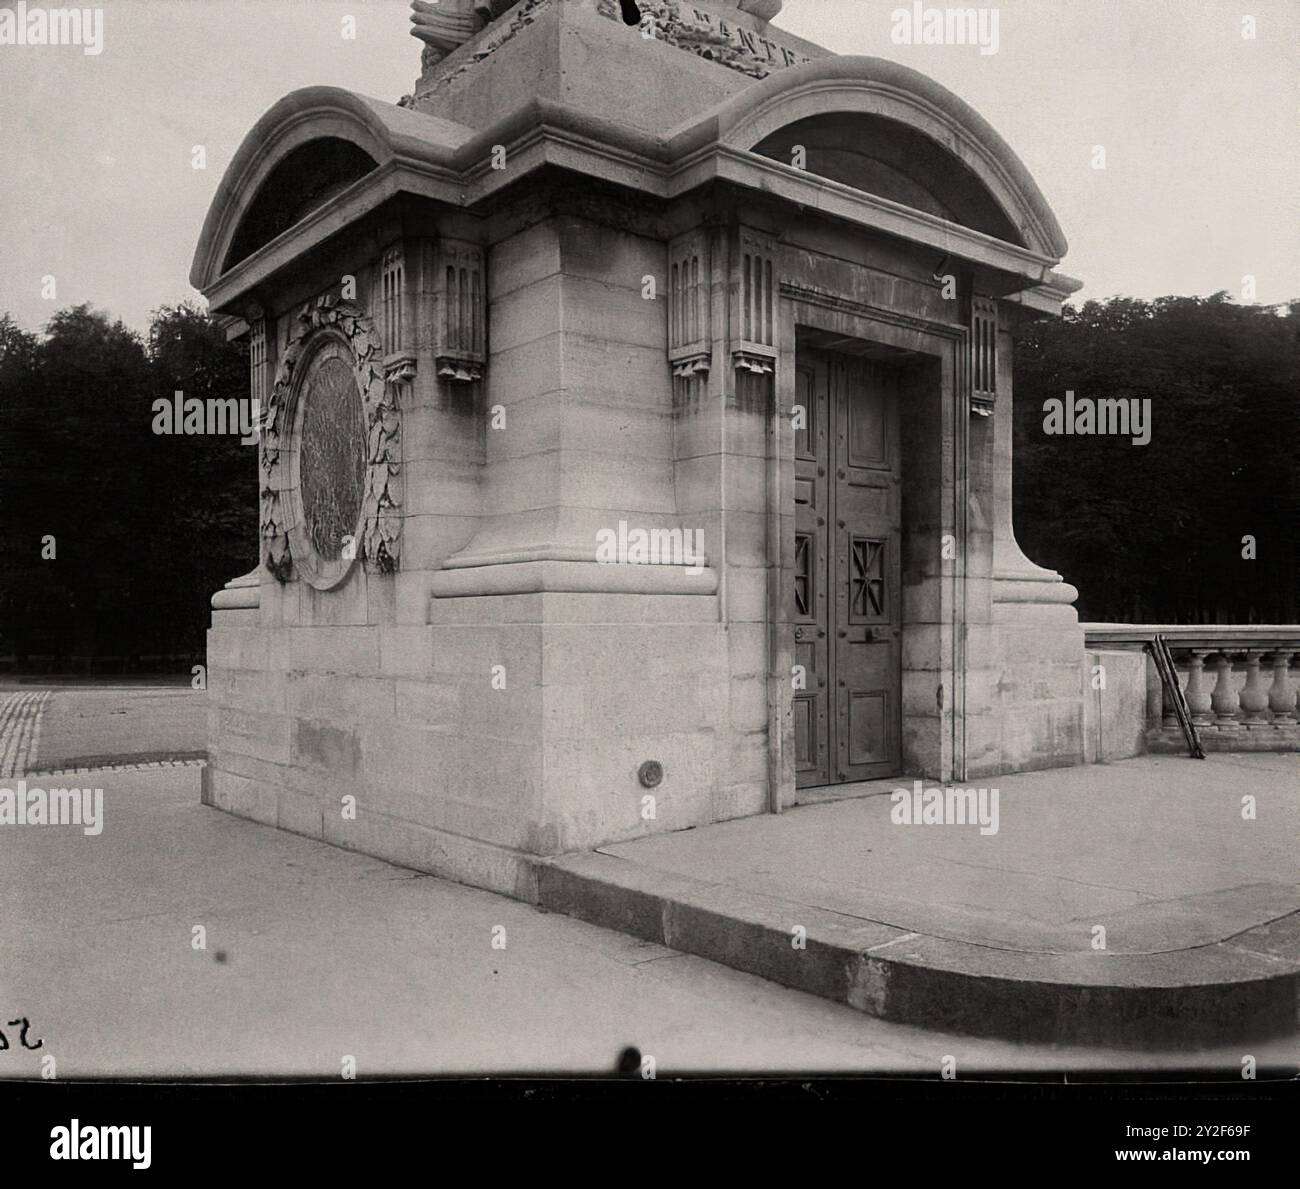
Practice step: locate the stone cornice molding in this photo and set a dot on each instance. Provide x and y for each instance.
(1198, 635)
(876, 86)
(449, 163)
(386, 132)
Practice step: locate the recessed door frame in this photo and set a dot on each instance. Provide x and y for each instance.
(933, 411)
(847, 590)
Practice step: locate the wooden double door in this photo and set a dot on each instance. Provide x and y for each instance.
(845, 597)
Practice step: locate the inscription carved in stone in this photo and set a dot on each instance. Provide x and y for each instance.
(681, 24)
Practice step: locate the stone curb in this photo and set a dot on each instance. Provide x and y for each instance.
(1242, 990)
(130, 762)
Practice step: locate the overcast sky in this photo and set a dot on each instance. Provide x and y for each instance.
(1199, 126)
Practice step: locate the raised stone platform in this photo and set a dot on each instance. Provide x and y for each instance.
(943, 927)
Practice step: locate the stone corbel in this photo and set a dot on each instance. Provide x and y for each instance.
(459, 311)
(753, 291)
(399, 367)
(690, 305)
(983, 356)
(398, 302)
(691, 365)
(749, 361)
(459, 371)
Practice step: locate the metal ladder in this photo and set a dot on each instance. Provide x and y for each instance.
(1158, 647)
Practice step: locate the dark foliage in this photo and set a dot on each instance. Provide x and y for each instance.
(145, 526)
(1153, 533)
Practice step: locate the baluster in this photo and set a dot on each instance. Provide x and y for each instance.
(1224, 698)
(1281, 694)
(1198, 700)
(1254, 698)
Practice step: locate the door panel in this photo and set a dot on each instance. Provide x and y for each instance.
(847, 571)
(808, 613)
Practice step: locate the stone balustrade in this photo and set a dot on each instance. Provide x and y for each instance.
(1237, 680)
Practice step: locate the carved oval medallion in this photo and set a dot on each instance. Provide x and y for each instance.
(333, 459)
(329, 464)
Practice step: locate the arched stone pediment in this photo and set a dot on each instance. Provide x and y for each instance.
(314, 143)
(891, 160)
(872, 125)
(860, 98)
(307, 177)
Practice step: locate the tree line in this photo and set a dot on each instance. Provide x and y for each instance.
(1202, 523)
(113, 537)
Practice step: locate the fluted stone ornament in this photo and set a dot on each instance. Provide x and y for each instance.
(446, 26)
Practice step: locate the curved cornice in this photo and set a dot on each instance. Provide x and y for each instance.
(383, 130)
(457, 155)
(876, 86)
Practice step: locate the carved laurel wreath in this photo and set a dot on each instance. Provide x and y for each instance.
(381, 518)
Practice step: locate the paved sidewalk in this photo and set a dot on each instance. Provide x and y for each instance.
(21, 715)
(314, 953)
(85, 724)
(998, 933)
